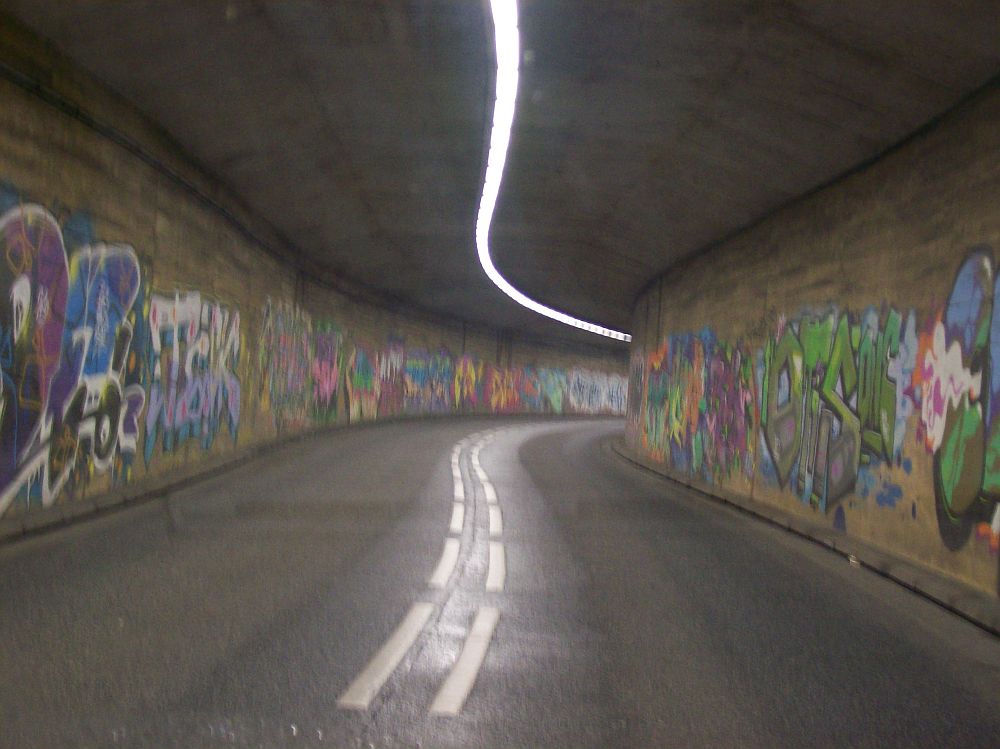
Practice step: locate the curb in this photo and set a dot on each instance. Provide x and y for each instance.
(974, 606)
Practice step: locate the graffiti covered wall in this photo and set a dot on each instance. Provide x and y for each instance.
(314, 373)
(148, 335)
(98, 363)
(847, 372)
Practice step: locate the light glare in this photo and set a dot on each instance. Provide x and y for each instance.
(508, 59)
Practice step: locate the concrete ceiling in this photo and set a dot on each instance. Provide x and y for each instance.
(645, 130)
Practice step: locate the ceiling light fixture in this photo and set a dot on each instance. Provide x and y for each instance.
(508, 61)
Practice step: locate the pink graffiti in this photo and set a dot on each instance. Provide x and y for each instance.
(945, 381)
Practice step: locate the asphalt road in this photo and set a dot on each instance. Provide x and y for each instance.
(258, 609)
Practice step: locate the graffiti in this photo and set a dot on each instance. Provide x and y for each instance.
(427, 382)
(97, 367)
(67, 408)
(552, 384)
(636, 393)
(362, 387)
(312, 373)
(833, 400)
(194, 353)
(101, 402)
(960, 411)
(325, 371)
(829, 400)
(391, 374)
(285, 363)
(503, 390)
(698, 406)
(468, 382)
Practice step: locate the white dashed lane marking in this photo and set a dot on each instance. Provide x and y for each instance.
(367, 684)
(497, 572)
(496, 522)
(456, 688)
(457, 518)
(449, 557)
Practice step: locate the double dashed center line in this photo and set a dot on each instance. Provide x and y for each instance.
(457, 686)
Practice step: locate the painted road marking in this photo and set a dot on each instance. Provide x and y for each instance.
(453, 693)
(497, 571)
(367, 684)
(490, 492)
(459, 490)
(449, 557)
(457, 517)
(481, 475)
(496, 522)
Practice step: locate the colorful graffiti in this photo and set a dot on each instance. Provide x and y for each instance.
(391, 367)
(503, 390)
(363, 386)
(830, 400)
(380, 383)
(958, 371)
(468, 382)
(96, 366)
(427, 382)
(66, 406)
(87, 354)
(829, 407)
(194, 352)
(698, 407)
(325, 371)
(285, 359)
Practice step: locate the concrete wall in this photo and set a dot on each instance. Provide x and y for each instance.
(841, 359)
(145, 336)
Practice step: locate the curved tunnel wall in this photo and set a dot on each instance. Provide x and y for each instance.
(144, 339)
(841, 359)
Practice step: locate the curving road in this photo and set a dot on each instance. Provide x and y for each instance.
(469, 583)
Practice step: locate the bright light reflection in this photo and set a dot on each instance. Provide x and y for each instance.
(508, 60)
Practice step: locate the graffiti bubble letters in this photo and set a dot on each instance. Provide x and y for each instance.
(66, 406)
(960, 378)
(194, 390)
(829, 401)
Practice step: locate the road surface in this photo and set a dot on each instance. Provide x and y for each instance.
(466, 583)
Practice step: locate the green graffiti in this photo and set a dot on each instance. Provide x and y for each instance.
(829, 403)
(836, 474)
(877, 392)
(959, 470)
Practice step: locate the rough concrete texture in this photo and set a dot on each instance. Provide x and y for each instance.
(145, 339)
(837, 359)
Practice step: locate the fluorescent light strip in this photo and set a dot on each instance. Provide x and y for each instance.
(508, 60)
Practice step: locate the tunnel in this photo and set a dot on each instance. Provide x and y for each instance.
(499, 373)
